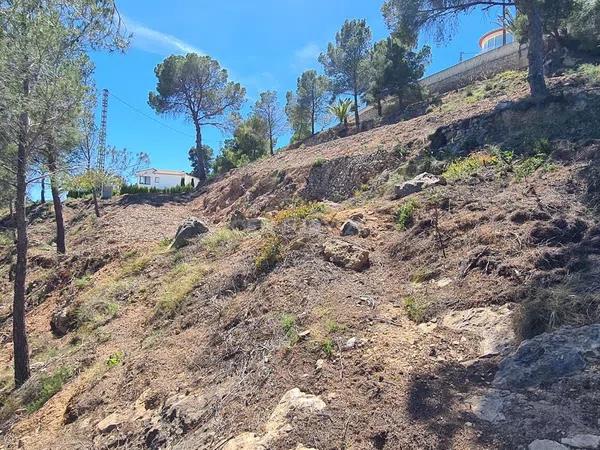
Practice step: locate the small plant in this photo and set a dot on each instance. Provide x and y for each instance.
(400, 151)
(135, 267)
(405, 214)
(415, 309)
(341, 110)
(542, 147)
(423, 274)
(319, 162)
(465, 167)
(333, 327)
(328, 347)
(288, 323)
(165, 242)
(83, 282)
(47, 387)
(269, 254)
(528, 166)
(180, 282)
(223, 239)
(591, 72)
(115, 359)
(300, 211)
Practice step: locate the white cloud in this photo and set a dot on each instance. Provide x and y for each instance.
(308, 52)
(155, 41)
(306, 57)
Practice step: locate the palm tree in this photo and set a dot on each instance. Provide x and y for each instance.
(341, 110)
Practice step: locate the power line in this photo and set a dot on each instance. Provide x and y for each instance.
(150, 117)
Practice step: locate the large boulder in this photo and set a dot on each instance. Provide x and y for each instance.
(63, 320)
(189, 229)
(346, 255)
(493, 325)
(548, 357)
(417, 184)
(239, 222)
(353, 228)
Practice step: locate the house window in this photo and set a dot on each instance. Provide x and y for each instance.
(156, 179)
(146, 180)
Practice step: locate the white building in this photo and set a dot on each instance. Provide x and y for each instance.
(163, 179)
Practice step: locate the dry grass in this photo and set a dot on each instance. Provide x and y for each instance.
(179, 284)
(465, 167)
(300, 211)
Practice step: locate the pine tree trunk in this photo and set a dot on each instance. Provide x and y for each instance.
(202, 162)
(61, 246)
(43, 191)
(535, 54)
(379, 108)
(356, 115)
(95, 199)
(20, 345)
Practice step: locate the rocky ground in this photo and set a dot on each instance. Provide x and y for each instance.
(366, 310)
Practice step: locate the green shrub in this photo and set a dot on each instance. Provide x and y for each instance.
(464, 167)
(134, 189)
(82, 282)
(288, 322)
(115, 359)
(269, 254)
(404, 216)
(319, 162)
(528, 166)
(590, 71)
(328, 347)
(300, 211)
(400, 151)
(415, 309)
(47, 387)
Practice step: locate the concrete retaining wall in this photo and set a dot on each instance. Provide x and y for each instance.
(510, 56)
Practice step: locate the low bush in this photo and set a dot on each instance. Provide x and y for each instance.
(415, 308)
(319, 162)
(404, 216)
(328, 347)
(46, 388)
(300, 211)
(134, 189)
(268, 255)
(464, 167)
(115, 359)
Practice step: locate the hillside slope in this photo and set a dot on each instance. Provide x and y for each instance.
(288, 337)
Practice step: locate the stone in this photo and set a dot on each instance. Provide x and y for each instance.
(245, 441)
(417, 184)
(189, 229)
(346, 255)
(109, 423)
(319, 364)
(184, 411)
(350, 343)
(62, 322)
(239, 222)
(350, 228)
(493, 325)
(303, 335)
(488, 407)
(546, 444)
(303, 447)
(549, 357)
(582, 441)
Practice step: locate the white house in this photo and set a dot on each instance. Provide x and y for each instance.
(163, 179)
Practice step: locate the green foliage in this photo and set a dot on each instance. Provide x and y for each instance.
(200, 159)
(591, 72)
(423, 274)
(300, 211)
(404, 216)
(333, 327)
(319, 162)
(115, 359)
(307, 107)
(347, 61)
(6, 238)
(134, 189)
(268, 255)
(396, 70)
(267, 109)
(462, 168)
(415, 309)
(341, 110)
(223, 239)
(47, 387)
(249, 143)
(528, 166)
(208, 93)
(400, 150)
(328, 347)
(178, 285)
(82, 282)
(288, 323)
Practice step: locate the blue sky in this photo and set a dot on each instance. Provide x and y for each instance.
(264, 44)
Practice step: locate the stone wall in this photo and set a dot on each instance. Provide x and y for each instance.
(510, 56)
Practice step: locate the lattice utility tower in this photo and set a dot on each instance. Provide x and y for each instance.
(102, 133)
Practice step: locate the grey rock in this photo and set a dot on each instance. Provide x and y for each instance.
(350, 228)
(239, 221)
(346, 255)
(582, 441)
(62, 322)
(189, 229)
(493, 325)
(487, 407)
(548, 357)
(546, 444)
(417, 184)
